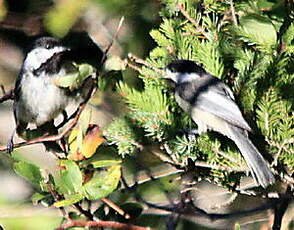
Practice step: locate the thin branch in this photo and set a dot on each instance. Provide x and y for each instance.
(233, 12)
(132, 66)
(191, 209)
(218, 167)
(86, 213)
(199, 29)
(57, 198)
(112, 40)
(116, 208)
(3, 89)
(7, 95)
(134, 58)
(102, 224)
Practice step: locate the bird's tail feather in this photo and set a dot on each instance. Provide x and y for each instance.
(258, 166)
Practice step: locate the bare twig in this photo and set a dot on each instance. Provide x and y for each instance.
(103, 224)
(199, 29)
(133, 58)
(7, 95)
(217, 167)
(132, 66)
(115, 207)
(112, 40)
(233, 12)
(3, 89)
(57, 198)
(86, 213)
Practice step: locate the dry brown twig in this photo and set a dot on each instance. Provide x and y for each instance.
(199, 29)
(138, 60)
(102, 224)
(6, 95)
(112, 40)
(233, 12)
(56, 197)
(116, 208)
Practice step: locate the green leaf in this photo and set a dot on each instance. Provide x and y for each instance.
(101, 186)
(29, 171)
(75, 79)
(259, 30)
(71, 199)
(105, 163)
(69, 180)
(85, 70)
(67, 81)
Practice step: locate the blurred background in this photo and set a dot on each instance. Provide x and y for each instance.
(20, 22)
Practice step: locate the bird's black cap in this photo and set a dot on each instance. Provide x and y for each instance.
(185, 66)
(46, 42)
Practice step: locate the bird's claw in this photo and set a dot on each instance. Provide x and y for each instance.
(10, 146)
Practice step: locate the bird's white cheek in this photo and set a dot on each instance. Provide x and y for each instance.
(172, 76)
(187, 77)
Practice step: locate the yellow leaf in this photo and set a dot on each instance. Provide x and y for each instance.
(92, 141)
(75, 144)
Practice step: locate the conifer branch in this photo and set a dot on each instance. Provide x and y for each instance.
(199, 29)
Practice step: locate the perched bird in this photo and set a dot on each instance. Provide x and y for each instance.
(211, 105)
(38, 99)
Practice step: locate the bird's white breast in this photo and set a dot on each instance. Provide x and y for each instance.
(40, 100)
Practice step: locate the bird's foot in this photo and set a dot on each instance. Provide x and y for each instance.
(10, 145)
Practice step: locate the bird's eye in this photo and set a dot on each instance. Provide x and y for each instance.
(48, 46)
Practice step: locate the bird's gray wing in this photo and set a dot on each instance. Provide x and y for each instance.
(219, 101)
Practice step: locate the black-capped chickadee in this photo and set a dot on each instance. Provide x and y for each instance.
(211, 105)
(38, 100)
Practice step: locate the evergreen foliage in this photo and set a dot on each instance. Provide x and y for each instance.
(244, 44)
